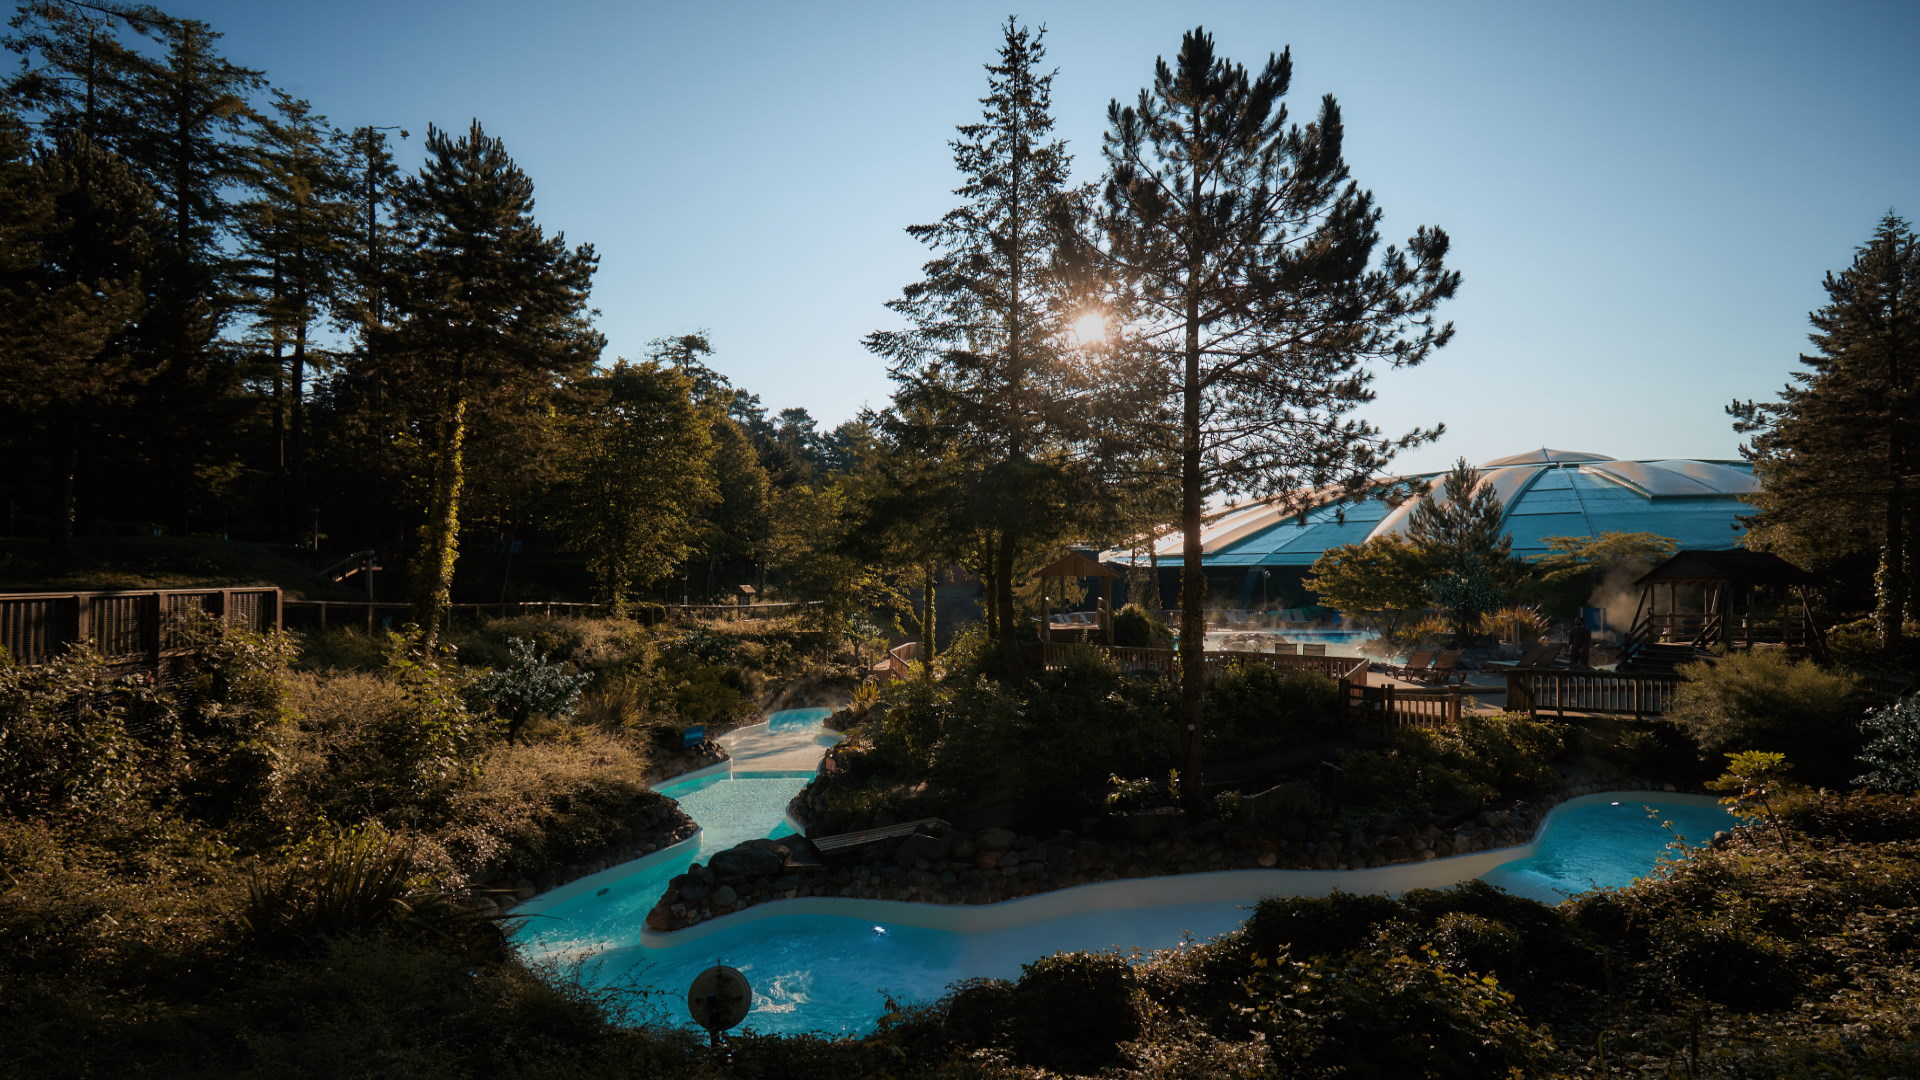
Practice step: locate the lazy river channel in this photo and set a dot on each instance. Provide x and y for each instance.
(819, 964)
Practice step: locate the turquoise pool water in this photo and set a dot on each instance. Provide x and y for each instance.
(819, 965)
(1603, 845)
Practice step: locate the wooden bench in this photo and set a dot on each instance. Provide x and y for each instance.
(827, 845)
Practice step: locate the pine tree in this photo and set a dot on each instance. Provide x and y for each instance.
(1461, 529)
(1256, 298)
(985, 382)
(189, 137)
(1835, 455)
(76, 231)
(483, 305)
(298, 239)
(79, 76)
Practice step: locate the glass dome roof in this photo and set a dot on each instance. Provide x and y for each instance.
(1544, 493)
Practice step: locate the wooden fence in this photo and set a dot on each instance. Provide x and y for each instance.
(1531, 690)
(361, 615)
(1166, 662)
(1387, 710)
(128, 627)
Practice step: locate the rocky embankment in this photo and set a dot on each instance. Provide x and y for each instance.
(943, 865)
(658, 825)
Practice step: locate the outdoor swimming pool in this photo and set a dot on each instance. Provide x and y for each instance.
(826, 965)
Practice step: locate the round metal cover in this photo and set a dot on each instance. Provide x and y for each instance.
(719, 998)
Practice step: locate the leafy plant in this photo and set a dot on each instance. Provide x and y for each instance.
(1136, 628)
(529, 687)
(356, 881)
(1756, 779)
(1892, 753)
(1521, 625)
(437, 739)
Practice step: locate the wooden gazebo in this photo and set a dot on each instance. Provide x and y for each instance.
(1704, 599)
(1074, 566)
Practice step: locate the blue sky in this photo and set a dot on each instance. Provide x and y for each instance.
(1643, 197)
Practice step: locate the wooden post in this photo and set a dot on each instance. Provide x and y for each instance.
(150, 627)
(81, 619)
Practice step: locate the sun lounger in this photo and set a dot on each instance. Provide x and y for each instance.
(1446, 668)
(1416, 665)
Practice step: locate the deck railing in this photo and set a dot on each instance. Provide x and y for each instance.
(1563, 690)
(1166, 662)
(127, 627)
(1389, 709)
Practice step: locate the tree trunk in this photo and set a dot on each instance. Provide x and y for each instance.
(929, 627)
(282, 513)
(297, 445)
(66, 467)
(1893, 589)
(1193, 578)
(440, 533)
(1010, 641)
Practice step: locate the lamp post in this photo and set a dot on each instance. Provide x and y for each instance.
(1264, 575)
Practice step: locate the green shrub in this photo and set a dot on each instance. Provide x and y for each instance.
(1724, 957)
(1856, 817)
(341, 883)
(1135, 627)
(1073, 1010)
(65, 745)
(1762, 700)
(1892, 752)
(1309, 926)
(231, 704)
(1455, 768)
(1255, 708)
(1381, 1013)
(1465, 943)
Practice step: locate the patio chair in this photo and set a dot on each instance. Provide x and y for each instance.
(1416, 665)
(1313, 649)
(1286, 648)
(1446, 668)
(1528, 659)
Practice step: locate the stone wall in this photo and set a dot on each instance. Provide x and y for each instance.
(943, 865)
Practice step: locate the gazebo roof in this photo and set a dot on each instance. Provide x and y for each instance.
(1738, 566)
(1075, 565)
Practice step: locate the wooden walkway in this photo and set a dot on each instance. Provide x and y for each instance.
(827, 845)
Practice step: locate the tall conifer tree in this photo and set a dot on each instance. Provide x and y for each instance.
(297, 250)
(1248, 256)
(984, 380)
(1836, 454)
(76, 228)
(483, 305)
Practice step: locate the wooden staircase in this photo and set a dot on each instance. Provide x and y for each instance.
(1662, 658)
